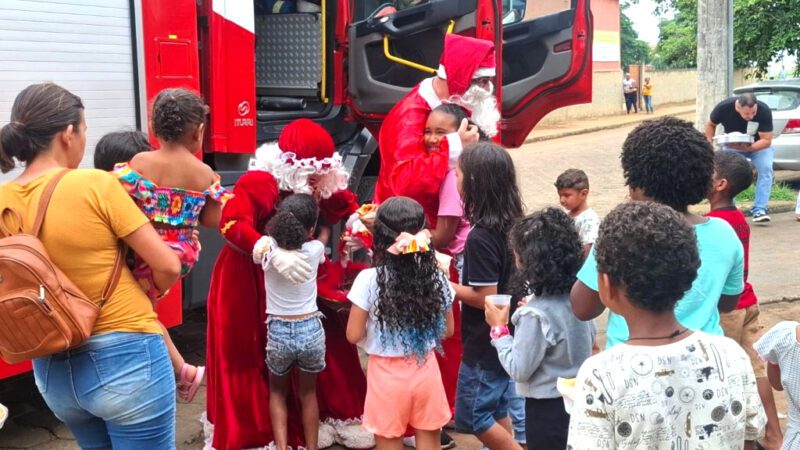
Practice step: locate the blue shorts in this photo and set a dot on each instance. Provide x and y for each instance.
(299, 342)
(481, 398)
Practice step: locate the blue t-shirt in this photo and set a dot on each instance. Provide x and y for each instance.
(721, 273)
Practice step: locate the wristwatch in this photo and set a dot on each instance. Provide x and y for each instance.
(497, 332)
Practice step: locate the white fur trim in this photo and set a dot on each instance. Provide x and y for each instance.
(294, 174)
(441, 73)
(428, 94)
(328, 432)
(484, 72)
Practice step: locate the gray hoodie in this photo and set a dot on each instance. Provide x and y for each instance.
(548, 342)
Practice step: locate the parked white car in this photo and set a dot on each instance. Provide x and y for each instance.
(783, 98)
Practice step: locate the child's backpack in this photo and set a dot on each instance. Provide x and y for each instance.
(41, 310)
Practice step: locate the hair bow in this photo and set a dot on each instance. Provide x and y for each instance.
(411, 243)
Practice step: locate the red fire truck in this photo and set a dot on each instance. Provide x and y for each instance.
(262, 63)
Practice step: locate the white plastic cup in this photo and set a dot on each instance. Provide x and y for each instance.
(3, 415)
(499, 300)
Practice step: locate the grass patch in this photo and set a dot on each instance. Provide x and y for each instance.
(780, 192)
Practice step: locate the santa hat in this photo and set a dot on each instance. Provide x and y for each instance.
(304, 149)
(464, 59)
(306, 139)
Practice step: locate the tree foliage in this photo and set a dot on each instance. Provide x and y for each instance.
(633, 49)
(763, 31)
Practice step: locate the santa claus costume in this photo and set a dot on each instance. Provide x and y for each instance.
(302, 161)
(407, 169)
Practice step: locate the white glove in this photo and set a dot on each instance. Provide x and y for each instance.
(291, 264)
(351, 220)
(454, 147)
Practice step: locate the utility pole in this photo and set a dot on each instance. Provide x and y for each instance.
(714, 56)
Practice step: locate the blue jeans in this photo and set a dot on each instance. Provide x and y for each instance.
(648, 103)
(299, 342)
(516, 410)
(762, 159)
(117, 390)
(481, 398)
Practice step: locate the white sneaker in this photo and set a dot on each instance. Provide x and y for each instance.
(761, 217)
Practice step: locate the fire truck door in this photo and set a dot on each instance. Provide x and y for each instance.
(394, 46)
(547, 62)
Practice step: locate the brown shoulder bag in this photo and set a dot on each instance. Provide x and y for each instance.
(41, 310)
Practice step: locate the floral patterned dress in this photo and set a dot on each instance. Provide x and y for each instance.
(176, 211)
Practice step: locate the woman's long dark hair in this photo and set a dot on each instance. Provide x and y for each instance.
(549, 251)
(489, 188)
(412, 290)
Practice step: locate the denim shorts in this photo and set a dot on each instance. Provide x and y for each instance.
(482, 398)
(116, 390)
(293, 342)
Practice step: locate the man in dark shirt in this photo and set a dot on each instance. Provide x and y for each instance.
(747, 115)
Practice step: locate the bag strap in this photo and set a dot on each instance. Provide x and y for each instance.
(119, 260)
(116, 271)
(44, 202)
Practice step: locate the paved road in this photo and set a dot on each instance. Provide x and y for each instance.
(775, 270)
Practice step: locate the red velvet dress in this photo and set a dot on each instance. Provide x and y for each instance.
(237, 380)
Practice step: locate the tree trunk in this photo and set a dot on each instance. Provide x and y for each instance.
(714, 55)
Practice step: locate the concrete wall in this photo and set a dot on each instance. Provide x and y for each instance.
(669, 87)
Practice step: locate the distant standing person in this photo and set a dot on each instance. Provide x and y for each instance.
(746, 114)
(629, 88)
(647, 95)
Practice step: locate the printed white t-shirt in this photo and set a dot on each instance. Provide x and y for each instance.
(697, 393)
(588, 224)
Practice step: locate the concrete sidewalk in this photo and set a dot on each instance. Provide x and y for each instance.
(581, 126)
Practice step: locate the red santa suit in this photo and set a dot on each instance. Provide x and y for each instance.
(237, 386)
(407, 169)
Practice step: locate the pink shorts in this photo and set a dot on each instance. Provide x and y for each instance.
(400, 393)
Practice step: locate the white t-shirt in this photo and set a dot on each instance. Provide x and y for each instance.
(629, 85)
(287, 299)
(364, 294)
(588, 224)
(697, 393)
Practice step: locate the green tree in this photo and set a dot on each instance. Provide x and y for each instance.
(633, 49)
(763, 31)
(677, 38)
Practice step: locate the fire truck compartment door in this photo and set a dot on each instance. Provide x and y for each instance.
(415, 34)
(85, 46)
(547, 64)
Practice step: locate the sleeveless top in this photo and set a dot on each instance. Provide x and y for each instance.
(171, 206)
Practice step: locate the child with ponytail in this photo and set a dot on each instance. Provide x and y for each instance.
(295, 336)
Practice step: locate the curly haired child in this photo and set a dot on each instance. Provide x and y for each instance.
(401, 311)
(177, 192)
(487, 182)
(666, 386)
(295, 336)
(549, 341)
(669, 162)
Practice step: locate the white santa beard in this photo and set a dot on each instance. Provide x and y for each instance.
(483, 106)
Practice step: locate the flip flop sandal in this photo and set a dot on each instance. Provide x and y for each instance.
(187, 389)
